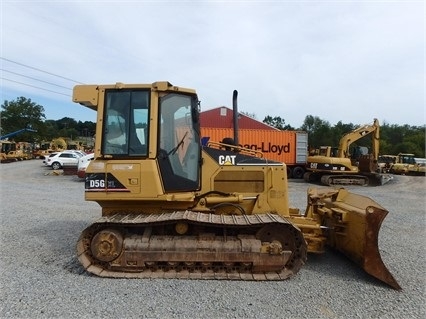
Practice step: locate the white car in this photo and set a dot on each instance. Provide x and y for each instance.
(63, 158)
(46, 157)
(81, 153)
(83, 162)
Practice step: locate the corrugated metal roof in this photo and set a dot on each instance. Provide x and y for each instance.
(223, 117)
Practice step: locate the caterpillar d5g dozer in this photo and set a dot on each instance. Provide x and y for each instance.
(174, 209)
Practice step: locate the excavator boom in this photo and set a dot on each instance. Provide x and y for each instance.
(358, 133)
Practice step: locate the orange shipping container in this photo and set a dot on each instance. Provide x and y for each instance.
(289, 147)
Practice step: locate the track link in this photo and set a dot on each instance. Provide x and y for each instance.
(336, 179)
(192, 245)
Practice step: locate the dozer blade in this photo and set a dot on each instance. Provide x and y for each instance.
(352, 224)
(378, 179)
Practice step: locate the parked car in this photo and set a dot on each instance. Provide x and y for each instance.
(83, 162)
(63, 158)
(77, 152)
(46, 157)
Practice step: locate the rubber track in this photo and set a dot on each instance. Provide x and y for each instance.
(121, 220)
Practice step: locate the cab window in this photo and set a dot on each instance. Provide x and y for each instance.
(125, 131)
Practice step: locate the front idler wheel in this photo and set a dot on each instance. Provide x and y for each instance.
(107, 245)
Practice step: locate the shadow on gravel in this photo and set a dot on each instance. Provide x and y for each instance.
(59, 240)
(335, 264)
(77, 179)
(74, 267)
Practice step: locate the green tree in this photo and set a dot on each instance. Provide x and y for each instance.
(319, 132)
(22, 113)
(396, 139)
(67, 127)
(339, 130)
(414, 141)
(277, 122)
(51, 130)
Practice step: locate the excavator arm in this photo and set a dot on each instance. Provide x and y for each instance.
(359, 133)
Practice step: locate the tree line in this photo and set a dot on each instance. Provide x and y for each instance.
(22, 113)
(394, 138)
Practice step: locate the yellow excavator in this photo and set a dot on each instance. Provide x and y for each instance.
(337, 166)
(173, 208)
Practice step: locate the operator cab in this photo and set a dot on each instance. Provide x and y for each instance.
(129, 129)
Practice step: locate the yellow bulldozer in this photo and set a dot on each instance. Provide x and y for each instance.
(402, 164)
(6, 147)
(407, 164)
(172, 208)
(12, 151)
(339, 166)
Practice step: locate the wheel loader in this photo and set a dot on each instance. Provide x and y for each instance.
(174, 208)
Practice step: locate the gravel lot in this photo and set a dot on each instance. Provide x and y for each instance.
(42, 216)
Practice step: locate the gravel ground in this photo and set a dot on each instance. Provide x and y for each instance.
(42, 216)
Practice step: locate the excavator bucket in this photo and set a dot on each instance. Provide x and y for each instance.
(352, 223)
(368, 165)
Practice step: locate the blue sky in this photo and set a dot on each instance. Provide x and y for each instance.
(348, 61)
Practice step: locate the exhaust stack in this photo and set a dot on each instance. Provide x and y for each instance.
(235, 109)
